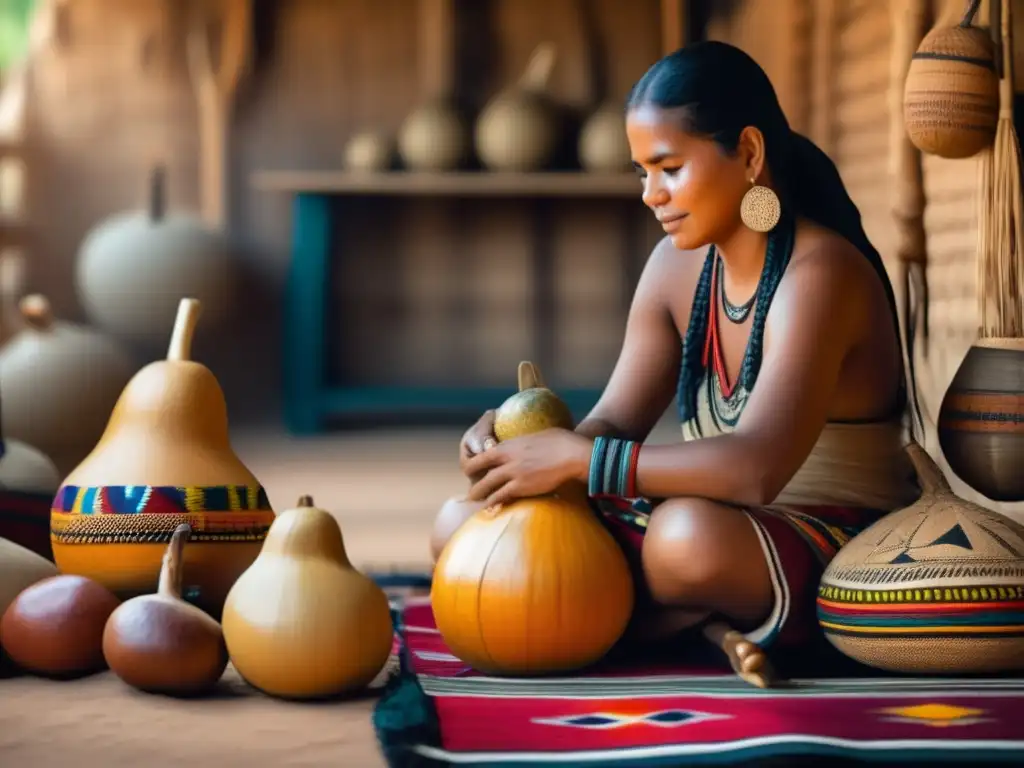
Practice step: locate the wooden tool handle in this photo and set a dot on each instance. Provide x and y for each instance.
(747, 659)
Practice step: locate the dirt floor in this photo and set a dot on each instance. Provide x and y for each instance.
(384, 488)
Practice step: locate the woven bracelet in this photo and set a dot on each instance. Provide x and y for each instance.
(613, 464)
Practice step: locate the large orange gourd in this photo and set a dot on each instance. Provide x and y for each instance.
(532, 587)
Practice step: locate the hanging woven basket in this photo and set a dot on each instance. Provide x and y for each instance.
(951, 96)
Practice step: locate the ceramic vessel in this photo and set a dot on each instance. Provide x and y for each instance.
(933, 588)
(981, 422)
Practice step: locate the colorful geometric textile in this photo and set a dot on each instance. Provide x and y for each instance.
(154, 500)
(436, 711)
(124, 514)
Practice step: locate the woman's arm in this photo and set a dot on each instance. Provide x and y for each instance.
(643, 382)
(817, 316)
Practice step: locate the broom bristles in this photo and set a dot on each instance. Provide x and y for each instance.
(1001, 233)
(1000, 221)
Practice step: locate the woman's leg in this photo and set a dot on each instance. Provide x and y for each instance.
(702, 558)
(453, 514)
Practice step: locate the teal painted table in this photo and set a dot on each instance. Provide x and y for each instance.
(309, 398)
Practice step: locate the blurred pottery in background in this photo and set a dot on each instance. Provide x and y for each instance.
(59, 382)
(134, 267)
(368, 151)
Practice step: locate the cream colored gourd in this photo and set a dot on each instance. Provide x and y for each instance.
(603, 146)
(60, 382)
(301, 622)
(368, 151)
(133, 268)
(434, 137)
(19, 570)
(23, 468)
(517, 131)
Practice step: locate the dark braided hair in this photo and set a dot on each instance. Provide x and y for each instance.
(720, 91)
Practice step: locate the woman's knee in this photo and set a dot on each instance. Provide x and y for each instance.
(453, 514)
(703, 554)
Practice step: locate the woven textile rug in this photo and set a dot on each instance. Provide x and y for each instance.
(436, 711)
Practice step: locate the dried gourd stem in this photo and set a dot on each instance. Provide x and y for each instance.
(180, 347)
(529, 376)
(157, 193)
(932, 480)
(538, 71)
(171, 572)
(305, 501)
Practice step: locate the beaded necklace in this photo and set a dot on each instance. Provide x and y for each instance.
(702, 360)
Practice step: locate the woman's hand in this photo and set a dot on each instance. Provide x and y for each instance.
(529, 466)
(477, 439)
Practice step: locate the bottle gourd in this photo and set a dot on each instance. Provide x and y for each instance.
(165, 459)
(161, 644)
(532, 587)
(302, 622)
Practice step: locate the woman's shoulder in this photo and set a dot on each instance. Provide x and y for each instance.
(826, 257)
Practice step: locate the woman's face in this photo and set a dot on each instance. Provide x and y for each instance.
(691, 185)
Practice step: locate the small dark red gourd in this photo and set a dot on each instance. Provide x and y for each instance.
(55, 627)
(161, 644)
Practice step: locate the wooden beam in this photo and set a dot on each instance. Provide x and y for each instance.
(673, 25)
(823, 76)
(437, 47)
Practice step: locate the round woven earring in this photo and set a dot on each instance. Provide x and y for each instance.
(761, 208)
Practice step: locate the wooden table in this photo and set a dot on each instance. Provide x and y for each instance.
(309, 397)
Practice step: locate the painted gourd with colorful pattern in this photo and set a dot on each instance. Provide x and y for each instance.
(532, 587)
(936, 588)
(164, 459)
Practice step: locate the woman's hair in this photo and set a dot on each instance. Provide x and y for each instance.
(719, 90)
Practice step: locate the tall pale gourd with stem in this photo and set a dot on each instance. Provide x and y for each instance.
(302, 622)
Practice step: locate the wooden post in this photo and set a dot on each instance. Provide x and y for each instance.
(673, 25)
(215, 86)
(824, 34)
(437, 47)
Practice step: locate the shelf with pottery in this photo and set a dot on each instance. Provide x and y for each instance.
(515, 139)
(582, 184)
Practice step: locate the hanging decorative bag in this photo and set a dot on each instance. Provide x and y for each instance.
(951, 96)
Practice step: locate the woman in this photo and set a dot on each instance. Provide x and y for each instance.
(769, 314)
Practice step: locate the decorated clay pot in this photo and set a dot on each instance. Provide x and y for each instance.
(933, 588)
(981, 422)
(164, 459)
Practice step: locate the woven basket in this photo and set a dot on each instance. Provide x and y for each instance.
(951, 95)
